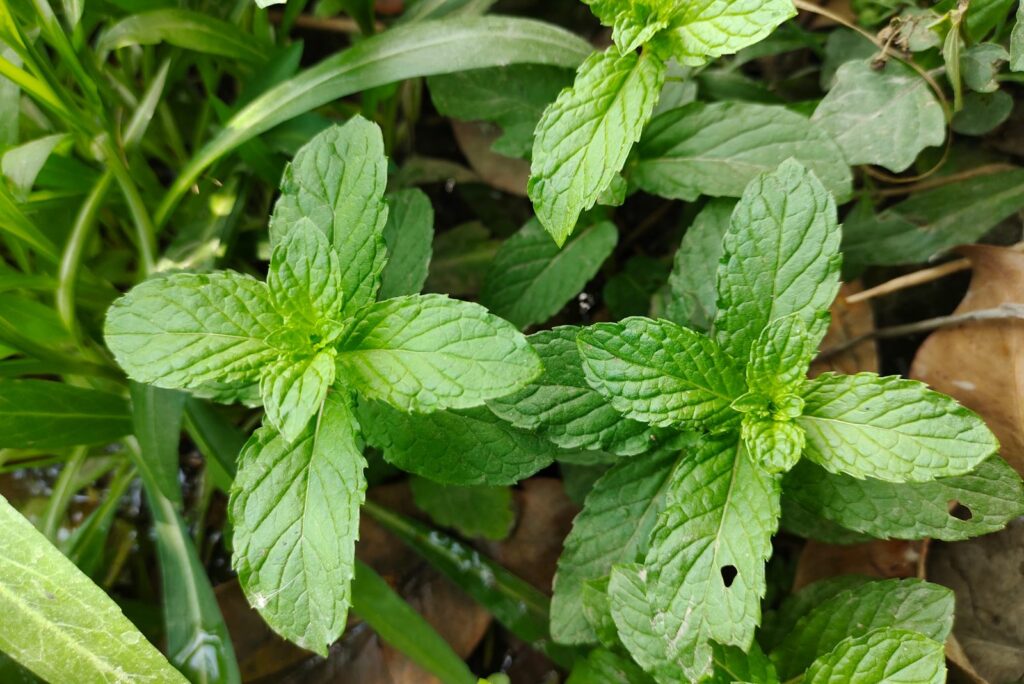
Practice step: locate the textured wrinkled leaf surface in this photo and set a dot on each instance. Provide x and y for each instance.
(717, 528)
(478, 511)
(337, 181)
(305, 275)
(408, 235)
(634, 617)
(692, 281)
(562, 407)
(584, 137)
(703, 29)
(780, 258)
(428, 352)
(614, 527)
(295, 511)
(531, 278)
(883, 117)
(459, 447)
(293, 391)
(660, 373)
(891, 656)
(716, 149)
(185, 330)
(890, 428)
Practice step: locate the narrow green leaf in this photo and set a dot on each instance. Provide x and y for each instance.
(186, 330)
(909, 604)
(531, 279)
(692, 281)
(477, 511)
(428, 352)
(397, 624)
(185, 29)
(931, 222)
(305, 277)
(337, 181)
(410, 51)
(460, 447)
(39, 414)
(10, 102)
(881, 116)
(992, 494)
(50, 607)
(614, 527)
(562, 407)
(885, 656)
(780, 258)
(22, 164)
(584, 137)
(198, 642)
(717, 149)
(660, 373)
(407, 235)
(890, 428)
(13, 222)
(705, 568)
(513, 97)
(295, 511)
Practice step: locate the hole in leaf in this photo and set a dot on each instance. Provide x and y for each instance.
(959, 511)
(729, 573)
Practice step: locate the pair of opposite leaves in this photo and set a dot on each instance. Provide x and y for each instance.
(584, 137)
(303, 343)
(702, 578)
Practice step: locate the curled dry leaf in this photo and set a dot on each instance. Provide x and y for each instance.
(982, 364)
(500, 172)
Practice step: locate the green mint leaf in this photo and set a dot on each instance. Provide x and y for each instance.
(692, 281)
(295, 511)
(337, 181)
(660, 373)
(777, 625)
(780, 357)
(185, 331)
(802, 522)
(514, 97)
(461, 257)
(780, 258)
(467, 447)
(705, 568)
(597, 609)
(408, 234)
(635, 620)
(638, 24)
(733, 665)
(584, 137)
(473, 511)
(889, 428)
(992, 494)
(606, 667)
(294, 389)
(1017, 42)
(704, 29)
(562, 407)
(631, 291)
(885, 656)
(909, 604)
(428, 352)
(305, 275)
(881, 116)
(531, 279)
(614, 527)
(776, 445)
(717, 149)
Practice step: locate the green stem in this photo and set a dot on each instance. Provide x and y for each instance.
(145, 231)
(63, 490)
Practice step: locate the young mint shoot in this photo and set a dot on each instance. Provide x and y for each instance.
(305, 344)
(744, 389)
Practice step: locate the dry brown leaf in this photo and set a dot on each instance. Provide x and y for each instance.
(982, 364)
(881, 558)
(504, 173)
(849, 321)
(987, 574)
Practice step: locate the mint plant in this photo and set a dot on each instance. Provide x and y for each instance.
(584, 137)
(702, 520)
(304, 344)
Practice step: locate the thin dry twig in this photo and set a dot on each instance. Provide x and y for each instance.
(1003, 312)
(933, 183)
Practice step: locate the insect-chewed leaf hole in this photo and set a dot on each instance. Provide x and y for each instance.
(729, 573)
(959, 511)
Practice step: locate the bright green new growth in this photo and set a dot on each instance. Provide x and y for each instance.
(745, 388)
(305, 344)
(583, 139)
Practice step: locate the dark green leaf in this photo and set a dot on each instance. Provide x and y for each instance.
(48, 415)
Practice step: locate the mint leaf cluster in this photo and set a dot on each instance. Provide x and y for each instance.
(305, 344)
(742, 391)
(584, 138)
